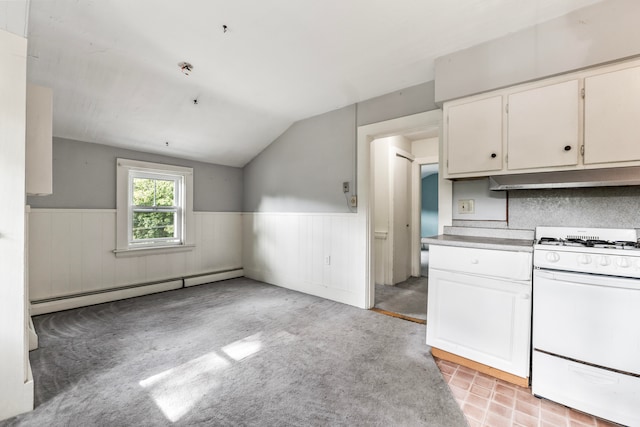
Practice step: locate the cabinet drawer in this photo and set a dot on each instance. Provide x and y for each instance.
(603, 393)
(486, 262)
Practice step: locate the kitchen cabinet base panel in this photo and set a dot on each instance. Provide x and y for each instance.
(497, 373)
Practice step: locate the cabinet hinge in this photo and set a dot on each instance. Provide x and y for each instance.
(506, 108)
(582, 150)
(582, 93)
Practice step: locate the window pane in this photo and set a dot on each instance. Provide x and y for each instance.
(143, 191)
(165, 192)
(153, 225)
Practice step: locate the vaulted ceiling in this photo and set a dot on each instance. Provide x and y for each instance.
(113, 64)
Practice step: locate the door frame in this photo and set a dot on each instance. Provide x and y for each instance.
(365, 170)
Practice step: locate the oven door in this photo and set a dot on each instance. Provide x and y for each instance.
(587, 317)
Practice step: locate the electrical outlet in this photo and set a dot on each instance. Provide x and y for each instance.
(345, 187)
(354, 201)
(466, 206)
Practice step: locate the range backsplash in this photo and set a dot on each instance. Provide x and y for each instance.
(607, 207)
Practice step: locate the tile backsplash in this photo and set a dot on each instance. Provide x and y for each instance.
(606, 207)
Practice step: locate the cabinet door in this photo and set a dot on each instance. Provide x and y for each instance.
(474, 136)
(38, 155)
(543, 126)
(482, 319)
(612, 117)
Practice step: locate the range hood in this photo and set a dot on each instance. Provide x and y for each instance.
(567, 179)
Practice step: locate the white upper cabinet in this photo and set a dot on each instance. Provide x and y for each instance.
(474, 136)
(589, 119)
(612, 117)
(38, 155)
(544, 126)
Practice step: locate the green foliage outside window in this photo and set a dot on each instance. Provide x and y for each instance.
(149, 194)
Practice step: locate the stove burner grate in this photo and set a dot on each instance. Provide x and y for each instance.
(589, 243)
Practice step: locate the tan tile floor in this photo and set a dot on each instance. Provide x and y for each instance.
(489, 402)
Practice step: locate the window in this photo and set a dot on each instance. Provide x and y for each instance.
(154, 206)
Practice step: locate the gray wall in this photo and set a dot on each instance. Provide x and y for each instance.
(303, 169)
(593, 35)
(405, 102)
(84, 177)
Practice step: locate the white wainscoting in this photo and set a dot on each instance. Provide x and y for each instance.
(71, 253)
(318, 254)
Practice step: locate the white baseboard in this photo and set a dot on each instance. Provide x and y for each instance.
(99, 298)
(213, 277)
(33, 337)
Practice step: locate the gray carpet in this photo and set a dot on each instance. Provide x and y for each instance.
(234, 353)
(408, 298)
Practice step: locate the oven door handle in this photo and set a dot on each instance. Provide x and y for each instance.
(587, 279)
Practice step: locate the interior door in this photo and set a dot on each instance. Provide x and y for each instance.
(401, 219)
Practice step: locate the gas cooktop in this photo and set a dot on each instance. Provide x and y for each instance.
(587, 238)
(589, 243)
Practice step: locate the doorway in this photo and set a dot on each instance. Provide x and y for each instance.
(428, 211)
(398, 190)
(366, 175)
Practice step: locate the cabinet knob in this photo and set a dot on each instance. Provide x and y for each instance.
(494, 155)
(567, 148)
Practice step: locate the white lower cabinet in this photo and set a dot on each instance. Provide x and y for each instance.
(481, 318)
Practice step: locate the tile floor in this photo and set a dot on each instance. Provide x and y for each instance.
(489, 402)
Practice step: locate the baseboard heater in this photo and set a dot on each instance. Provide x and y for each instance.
(67, 302)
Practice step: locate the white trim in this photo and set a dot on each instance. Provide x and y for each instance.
(101, 210)
(366, 134)
(68, 210)
(300, 213)
(152, 250)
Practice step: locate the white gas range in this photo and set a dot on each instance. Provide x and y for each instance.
(586, 320)
(613, 252)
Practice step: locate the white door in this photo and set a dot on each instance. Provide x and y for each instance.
(474, 136)
(611, 111)
(544, 126)
(588, 317)
(401, 219)
(480, 318)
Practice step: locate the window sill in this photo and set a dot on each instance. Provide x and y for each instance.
(153, 250)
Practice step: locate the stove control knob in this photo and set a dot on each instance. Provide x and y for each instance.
(623, 262)
(604, 261)
(584, 259)
(553, 257)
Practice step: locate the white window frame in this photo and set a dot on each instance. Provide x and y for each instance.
(127, 170)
